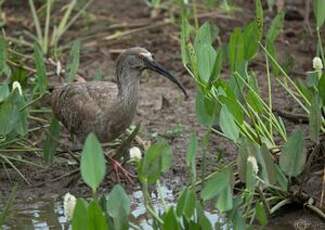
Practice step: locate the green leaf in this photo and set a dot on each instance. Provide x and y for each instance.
(246, 148)
(319, 11)
(228, 125)
(251, 40)
(118, 202)
(9, 117)
(206, 109)
(236, 50)
(80, 219)
(264, 158)
(275, 28)
(233, 107)
(93, 164)
(315, 118)
(225, 202)
(217, 67)
(293, 156)
(4, 92)
(281, 178)
(157, 160)
(41, 78)
(190, 156)
(216, 184)
(97, 219)
(206, 58)
(51, 142)
(170, 220)
(206, 35)
(260, 213)
(186, 204)
(73, 64)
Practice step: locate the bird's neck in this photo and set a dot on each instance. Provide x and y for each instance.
(128, 86)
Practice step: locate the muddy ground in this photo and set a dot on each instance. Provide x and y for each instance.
(162, 109)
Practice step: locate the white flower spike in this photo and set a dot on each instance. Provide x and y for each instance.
(69, 203)
(16, 85)
(135, 154)
(253, 162)
(317, 63)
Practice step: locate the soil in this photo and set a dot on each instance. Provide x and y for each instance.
(162, 110)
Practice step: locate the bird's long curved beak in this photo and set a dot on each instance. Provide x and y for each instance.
(152, 65)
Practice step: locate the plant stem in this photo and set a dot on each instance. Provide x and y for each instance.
(269, 92)
(320, 44)
(36, 21)
(285, 74)
(147, 202)
(196, 21)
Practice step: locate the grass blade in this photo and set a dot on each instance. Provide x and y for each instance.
(73, 64)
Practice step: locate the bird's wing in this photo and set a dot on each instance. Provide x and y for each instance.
(103, 92)
(78, 105)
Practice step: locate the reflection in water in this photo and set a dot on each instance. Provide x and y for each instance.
(49, 214)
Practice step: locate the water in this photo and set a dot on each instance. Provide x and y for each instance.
(49, 214)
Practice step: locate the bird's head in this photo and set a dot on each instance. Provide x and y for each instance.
(139, 59)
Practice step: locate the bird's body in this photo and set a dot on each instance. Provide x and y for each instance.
(104, 108)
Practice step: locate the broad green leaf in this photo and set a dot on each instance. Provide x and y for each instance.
(217, 67)
(254, 101)
(80, 219)
(259, 18)
(293, 156)
(97, 219)
(186, 204)
(315, 118)
(41, 78)
(265, 160)
(251, 39)
(225, 202)
(206, 35)
(206, 109)
(93, 164)
(157, 160)
(4, 92)
(51, 142)
(281, 178)
(170, 220)
(190, 156)
(118, 202)
(206, 58)
(319, 11)
(246, 148)
(216, 184)
(236, 50)
(9, 117)
(260, 213)
(233, 107)
(275, 28)
(228, 125)
(73, 64)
